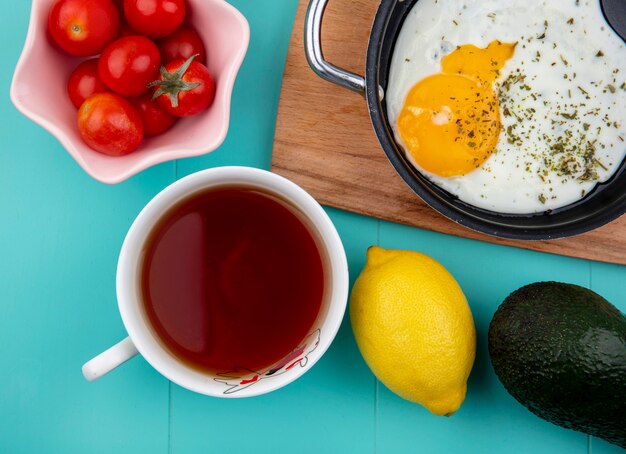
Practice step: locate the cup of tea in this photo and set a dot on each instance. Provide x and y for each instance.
(231, 282)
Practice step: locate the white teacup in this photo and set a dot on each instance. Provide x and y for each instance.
(239, 383)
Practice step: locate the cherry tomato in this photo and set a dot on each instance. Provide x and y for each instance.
(84, 82)
(187, 90)
(183, 43)
(83, 27)
(119, 4)
(155, 120)
(129, 64)
(154, 18)
(110, 124)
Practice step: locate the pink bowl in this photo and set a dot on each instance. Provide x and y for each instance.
(39, 85)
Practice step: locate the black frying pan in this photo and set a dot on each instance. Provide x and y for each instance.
(602, 205)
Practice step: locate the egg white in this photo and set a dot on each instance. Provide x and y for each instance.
(562, 46)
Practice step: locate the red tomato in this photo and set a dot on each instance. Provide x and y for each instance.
(83, 27)
(183, 43)
(84, 82)
(189, 89)
(154, 18)
(155, 120)
(119, 4)
(110, 124)
(129, 64)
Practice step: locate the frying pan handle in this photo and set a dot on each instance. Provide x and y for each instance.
(315, 56)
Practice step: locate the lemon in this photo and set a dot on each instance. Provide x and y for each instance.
(414, 328)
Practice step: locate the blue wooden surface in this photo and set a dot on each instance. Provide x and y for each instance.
(61, 231)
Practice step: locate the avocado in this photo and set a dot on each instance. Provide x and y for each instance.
(560, 350)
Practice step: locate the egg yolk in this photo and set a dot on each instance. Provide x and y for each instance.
(450, 122)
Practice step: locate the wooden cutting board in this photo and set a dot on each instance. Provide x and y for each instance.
(325, 143)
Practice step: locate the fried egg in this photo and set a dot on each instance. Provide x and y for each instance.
(514, 106)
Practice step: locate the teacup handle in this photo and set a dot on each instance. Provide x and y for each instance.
(109, 359)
